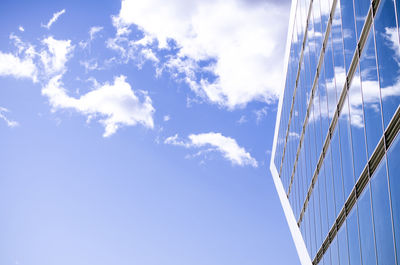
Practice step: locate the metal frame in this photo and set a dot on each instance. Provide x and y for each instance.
(377, 156)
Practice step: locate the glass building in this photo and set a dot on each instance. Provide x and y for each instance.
(336, 152)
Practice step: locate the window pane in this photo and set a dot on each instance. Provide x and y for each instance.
(318, 34)
(325, 10)
(323, 103)
(336, 172)
(387, 49)
(318, 234)
(342, 244)
(357, 124)
(371, 95)
(394, 180)
(338, 51)
(361, 10)
(330, 80)
(349, 33)
(354, 242)
(345, 149)
(324, 206)
(330, 197)
(312, 226)
(382, 216)
(366, 228)
(334, 251)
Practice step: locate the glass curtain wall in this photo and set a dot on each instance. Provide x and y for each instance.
(338, 153)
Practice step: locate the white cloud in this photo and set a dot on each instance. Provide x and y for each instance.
(21, 28)
(53, 19)
(94, 30)
(21, 63)
(56, 55)
(12, 65)
(211, 141)
(10, 123)
(244, 52)
(116, 104)
(166, 118)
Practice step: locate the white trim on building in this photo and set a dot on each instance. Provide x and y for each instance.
(290, 218)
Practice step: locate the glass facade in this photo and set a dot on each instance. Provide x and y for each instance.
(337, 149)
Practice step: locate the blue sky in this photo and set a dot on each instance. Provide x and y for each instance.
(140, 133)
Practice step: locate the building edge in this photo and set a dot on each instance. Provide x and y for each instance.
(294, 229)
(290, 218)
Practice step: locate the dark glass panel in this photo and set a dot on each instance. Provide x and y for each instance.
(388, 55)
(299, 37)
(313, 149)
(338, 51)
(367, 240)
(311, 48)
(304, 93)
(382, 216)
(336, 172)
(318, 34)
(324, 206)
(371, 94)
(334, 252)
(357, 125)
(353, 235)
(309, 232)
(349, 34)
(321, 97)
(317, 125)
(312, 225)
(325, 11)
(317, 208)
(330, 79)
(394, 181)
(295, 193)
(361, 8)
(307, 149)
(302, 178)
(345, 150)
(330, 196)
(342, 244)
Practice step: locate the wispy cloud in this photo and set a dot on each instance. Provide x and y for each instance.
(53, 19)
(92, 35)
(260, 114)
(21, 28)
(90, 65)
(212, 141)
(10, 123)
(94, 30)
(242, 119)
